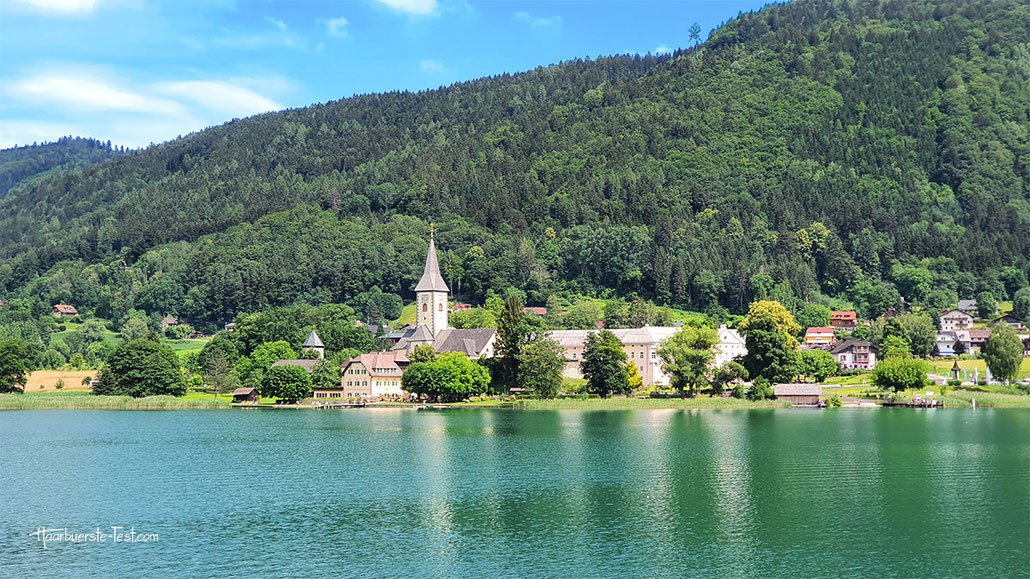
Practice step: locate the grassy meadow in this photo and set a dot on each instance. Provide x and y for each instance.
(943, 367)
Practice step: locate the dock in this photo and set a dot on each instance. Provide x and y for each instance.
(332, 405)
(914, 404)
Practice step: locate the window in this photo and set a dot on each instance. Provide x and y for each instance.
(439, 307)
(425, 307)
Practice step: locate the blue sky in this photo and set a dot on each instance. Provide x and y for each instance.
(141, 71)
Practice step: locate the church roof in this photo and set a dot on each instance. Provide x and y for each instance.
(470, 342)
(431, 280)
(313, 341)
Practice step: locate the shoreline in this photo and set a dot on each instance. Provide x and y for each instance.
(81, 399)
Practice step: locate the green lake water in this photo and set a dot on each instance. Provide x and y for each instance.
(402, 493)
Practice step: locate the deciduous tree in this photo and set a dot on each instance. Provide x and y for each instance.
(540, 367)
(1003, 352)
(603, 364)
(687, 356)
(900, 373)
(287, 383)
(818, 364)
(13, 357)
(142, 367)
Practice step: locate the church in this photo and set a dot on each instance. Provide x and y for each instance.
(431, 325)
(378, 374)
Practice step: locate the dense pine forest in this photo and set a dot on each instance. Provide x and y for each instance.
(20, 163)
(818, 151)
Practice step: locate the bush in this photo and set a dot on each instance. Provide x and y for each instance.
(760, 390)
(835, 401)
(954, 382)
(740, 391)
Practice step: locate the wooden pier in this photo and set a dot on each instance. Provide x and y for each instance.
(332, 405)
(914, 404)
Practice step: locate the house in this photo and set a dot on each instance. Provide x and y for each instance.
(956, 320)
(799, 394)
(946, 340)
(730, 347)
(819, 337)
(308, 365)
(977, 338)
(967, 306)
(855, 353)
(373, 375)
(640, 344)
(245, 396)
(846, 321)
(1011, 320)
(168, 322)
(536, 311)
(460, 307)
(64, 311)
(314, 343)
(230, 327)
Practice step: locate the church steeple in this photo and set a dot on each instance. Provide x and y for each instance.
(431, 293)
(431, 280)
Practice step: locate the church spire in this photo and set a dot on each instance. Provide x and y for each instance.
(431, 280)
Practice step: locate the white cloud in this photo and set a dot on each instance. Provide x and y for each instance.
(538, 21)
(276, 23)
(62, 7)
(662, 49)
(336, 27)
(430, 65)
(81, 93)
(279, 37)
(416, 7)
(220, 97)
(95, 102)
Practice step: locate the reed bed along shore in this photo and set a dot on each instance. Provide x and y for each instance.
(654, 403)
(85, 400)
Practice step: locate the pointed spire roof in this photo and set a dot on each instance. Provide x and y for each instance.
(313, 341)
(431, 280)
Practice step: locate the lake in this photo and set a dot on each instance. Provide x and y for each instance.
(401, 492)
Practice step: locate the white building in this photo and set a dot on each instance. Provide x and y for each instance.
(956, 320)
(640, 344)
(731, 346)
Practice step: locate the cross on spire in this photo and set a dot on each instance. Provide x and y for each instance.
(431, 227)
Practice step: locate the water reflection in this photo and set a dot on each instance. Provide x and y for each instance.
(510, 493)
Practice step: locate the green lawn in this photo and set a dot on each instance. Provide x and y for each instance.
(408, 315)
(856, 380)
(183, 347)
(109, 336)
(943, 367)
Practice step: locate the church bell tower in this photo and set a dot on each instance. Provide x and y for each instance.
(431, 294)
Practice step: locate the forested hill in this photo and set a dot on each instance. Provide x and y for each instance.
(20, 163)
(857, 150)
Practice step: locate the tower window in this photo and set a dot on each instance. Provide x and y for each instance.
(439, 307)
(425, 307)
